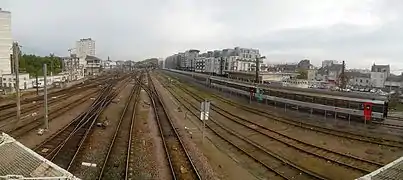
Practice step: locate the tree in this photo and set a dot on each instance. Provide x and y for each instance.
(33, 64)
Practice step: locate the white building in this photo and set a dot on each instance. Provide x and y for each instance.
(85, 47)
(359, 79)
(190, 59)
(108, 64)
(378, 79)
(8, 81)
(6, 42)
(379, 74)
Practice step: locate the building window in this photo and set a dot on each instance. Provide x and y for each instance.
(360, 80)
(367, 81)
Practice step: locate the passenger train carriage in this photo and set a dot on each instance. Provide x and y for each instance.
(340, 104)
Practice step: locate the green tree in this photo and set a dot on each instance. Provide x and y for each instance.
(33, 64)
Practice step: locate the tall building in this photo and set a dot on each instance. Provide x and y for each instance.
(6, 42)
(85, 47)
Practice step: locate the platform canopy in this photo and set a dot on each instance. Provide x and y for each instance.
(391, 171)
(20, 162)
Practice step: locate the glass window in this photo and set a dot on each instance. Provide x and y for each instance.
(377, 108)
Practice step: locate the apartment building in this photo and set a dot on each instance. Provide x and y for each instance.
(190, 59)
(379, 74)
(217, 61)
(6, 42)
(85, 47)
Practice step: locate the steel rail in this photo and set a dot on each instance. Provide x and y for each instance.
(157, 101)
(133, 92)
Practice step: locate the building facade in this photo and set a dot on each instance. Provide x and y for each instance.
(358, 79)
(93, 65)
(217, 61)
(8, 81)
(6, 42)
(85, 47)
(190, 59)
(379, 74)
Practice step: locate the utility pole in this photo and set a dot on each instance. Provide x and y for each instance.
(45, 96)
(222, 66)
(343, 78)
(258, 68)
(16, 57)
(71, 65)
(37, 88)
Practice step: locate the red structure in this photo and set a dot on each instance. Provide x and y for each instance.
(367, 111)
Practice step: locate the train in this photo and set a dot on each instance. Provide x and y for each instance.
(348, 105)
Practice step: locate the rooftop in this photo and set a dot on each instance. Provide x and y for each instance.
(358, 74)
(391, 171)
(16, 159)
(91, 58)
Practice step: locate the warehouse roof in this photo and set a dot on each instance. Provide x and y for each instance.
(18, 160)
(391, 171)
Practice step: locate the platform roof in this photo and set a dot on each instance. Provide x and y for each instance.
(391, 171)
(18, 160)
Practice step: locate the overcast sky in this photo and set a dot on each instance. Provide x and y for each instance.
(359, 31)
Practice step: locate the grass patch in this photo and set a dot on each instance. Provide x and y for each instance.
(398, 107)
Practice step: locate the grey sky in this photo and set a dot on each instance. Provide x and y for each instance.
(358, 31)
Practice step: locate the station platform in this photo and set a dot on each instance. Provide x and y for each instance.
(391, 171)
(20, 162)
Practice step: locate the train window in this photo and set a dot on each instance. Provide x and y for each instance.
(354, 105)
(320, 100)
(361, 106)
(341, 103)
(290, 96)
(299, 97)
(308, 99)
(329, 102)
(377, 108)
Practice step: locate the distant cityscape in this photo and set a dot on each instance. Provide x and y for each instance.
(302, 74)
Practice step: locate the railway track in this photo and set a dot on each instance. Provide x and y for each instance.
(28, 111)
(62, 147)
(117, 160)
(72, 89)
(179, 161)
(26, 126)
(395, 118)
(276, 164)
(30, 106)
(312, 127)
(31, 124)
